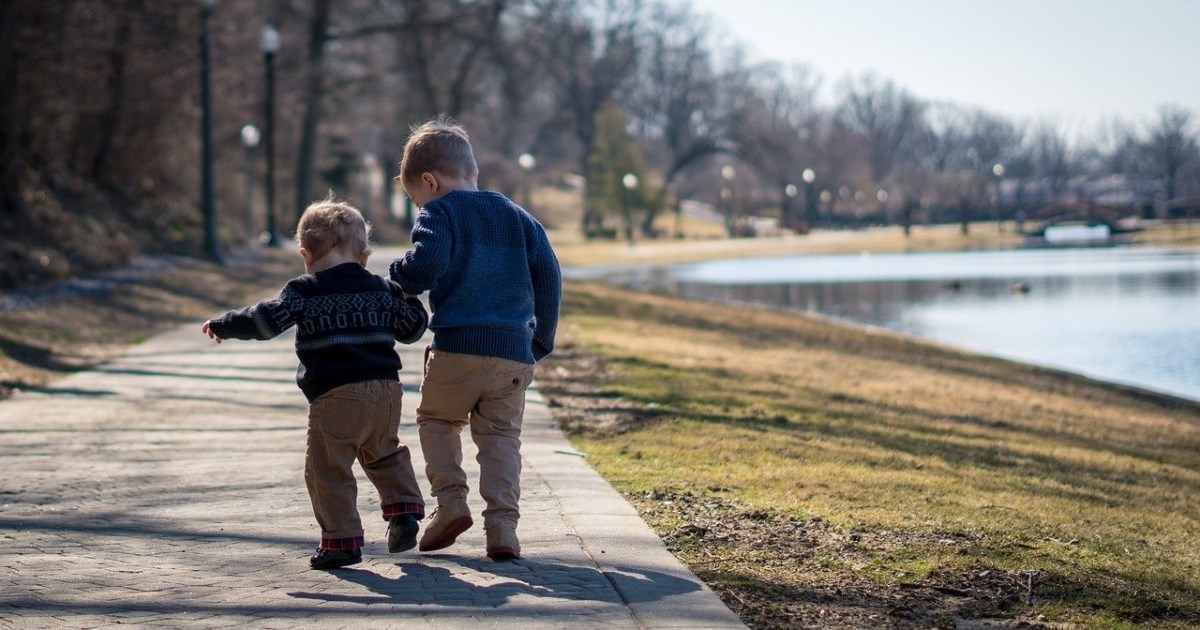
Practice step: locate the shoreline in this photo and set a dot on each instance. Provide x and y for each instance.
(1146, 393)
(636, 275)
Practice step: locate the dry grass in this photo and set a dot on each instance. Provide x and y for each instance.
(78, 330)
(574, 250)
(1095, 487)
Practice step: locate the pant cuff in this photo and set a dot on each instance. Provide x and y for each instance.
(342, 544)
(396, 509)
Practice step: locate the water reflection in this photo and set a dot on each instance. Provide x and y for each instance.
(1128, 316)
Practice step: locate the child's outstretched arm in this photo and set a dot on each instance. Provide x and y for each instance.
(262, 321)
(207, 329)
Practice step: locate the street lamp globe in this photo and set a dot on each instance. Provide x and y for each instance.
(527, 162)
(270, 39)
(998, 170)
(808, 176)
(250, 136)
(727, 172)
(790, 190)
(630, 181)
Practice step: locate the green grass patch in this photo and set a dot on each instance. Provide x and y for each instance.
(915, 463)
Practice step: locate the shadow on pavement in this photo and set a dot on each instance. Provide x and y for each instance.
(505, 581)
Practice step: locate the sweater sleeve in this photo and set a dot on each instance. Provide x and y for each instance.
(546, 276)
(262, 321)
(408, 316)
(420, 267)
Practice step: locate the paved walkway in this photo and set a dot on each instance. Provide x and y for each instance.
(165, 490)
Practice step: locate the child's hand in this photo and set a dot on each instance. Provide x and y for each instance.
(208, 331)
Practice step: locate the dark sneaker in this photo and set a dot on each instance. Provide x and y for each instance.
(325, 559)
(402, 533)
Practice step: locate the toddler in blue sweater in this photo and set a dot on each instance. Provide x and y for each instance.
(494, 291)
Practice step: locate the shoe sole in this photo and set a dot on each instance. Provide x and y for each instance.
(449, 535)
(403, 544)
(335, 565)
(503, 553)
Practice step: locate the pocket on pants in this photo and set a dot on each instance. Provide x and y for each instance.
(340, 416)
(512, 381)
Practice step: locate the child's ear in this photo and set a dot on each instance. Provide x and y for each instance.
(430, 180)
(306, 255)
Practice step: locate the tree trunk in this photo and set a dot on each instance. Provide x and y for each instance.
(318, 35)
(10, 198)
(110, 119)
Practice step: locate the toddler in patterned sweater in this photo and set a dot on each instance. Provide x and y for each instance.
(347, 323)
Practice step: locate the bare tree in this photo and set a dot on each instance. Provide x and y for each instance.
(775, 128)
(1171, 144)
(675, 104)
(590, 49)
(1052, 160)
(318, 37)
(441, 46)
(10, 198)
(886, 116)
(1114, 148)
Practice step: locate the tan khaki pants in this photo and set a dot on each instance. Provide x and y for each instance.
(356, 421)
(489, 394)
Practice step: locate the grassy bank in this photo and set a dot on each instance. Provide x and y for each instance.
(854, 478)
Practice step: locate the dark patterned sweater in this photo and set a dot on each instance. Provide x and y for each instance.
(347, 321)
(494, 283)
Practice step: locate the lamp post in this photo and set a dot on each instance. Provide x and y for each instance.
(270, 45)
(789, 194)
(630, 182)
(250, 139)
(998, 171)
(208, 194)
(810, 200)
(527, 163)
(727, 173)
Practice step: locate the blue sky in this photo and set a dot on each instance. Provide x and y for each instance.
(1073, 61)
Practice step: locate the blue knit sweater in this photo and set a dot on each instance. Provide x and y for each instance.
(493, 280)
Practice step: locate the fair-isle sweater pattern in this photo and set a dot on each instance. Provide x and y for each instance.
(347, 321)
(494, 283)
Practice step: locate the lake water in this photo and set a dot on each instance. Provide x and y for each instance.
(1124, 315)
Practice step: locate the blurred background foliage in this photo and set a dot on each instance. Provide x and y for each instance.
(100, 120)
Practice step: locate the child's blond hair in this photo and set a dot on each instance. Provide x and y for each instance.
(440, 145)
(330, 224)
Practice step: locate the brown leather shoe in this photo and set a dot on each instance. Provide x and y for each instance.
(447, 523)
(502, 543)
